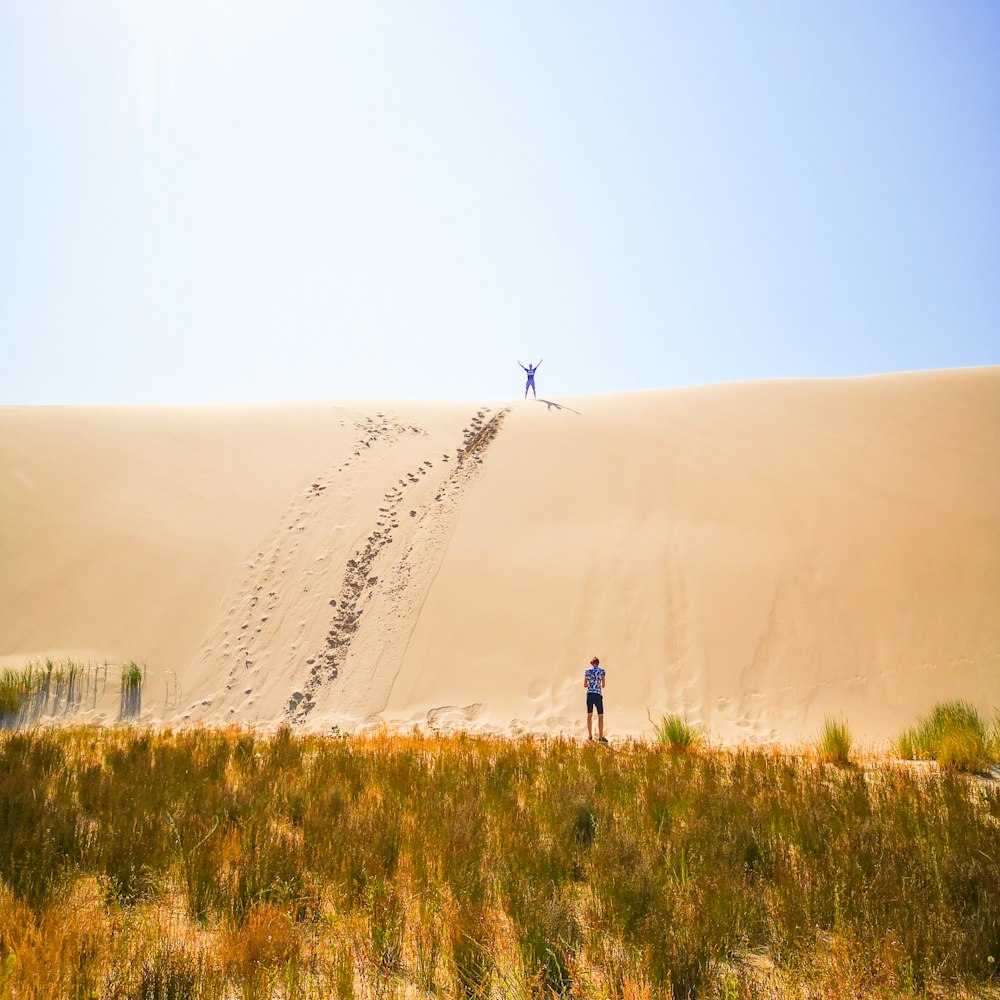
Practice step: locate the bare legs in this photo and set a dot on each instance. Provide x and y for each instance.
(590, 725)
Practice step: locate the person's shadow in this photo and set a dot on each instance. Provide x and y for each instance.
(557, 406)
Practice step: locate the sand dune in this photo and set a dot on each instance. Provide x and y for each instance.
(755, 556)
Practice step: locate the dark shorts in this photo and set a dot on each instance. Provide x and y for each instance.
(595, 701)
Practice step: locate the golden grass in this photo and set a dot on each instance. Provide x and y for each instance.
(222, 863)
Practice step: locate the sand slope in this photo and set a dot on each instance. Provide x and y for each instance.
(755, 556)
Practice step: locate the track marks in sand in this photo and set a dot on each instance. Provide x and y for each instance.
(477, 436)
(387, 579)
(278, 577)
(450, 717)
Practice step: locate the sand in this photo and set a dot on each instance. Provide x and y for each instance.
(753, 556)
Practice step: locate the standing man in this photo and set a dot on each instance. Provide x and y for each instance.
(530, 384)
(593, 682)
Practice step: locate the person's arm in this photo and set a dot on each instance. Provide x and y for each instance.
(521, 366)
(539, 365)
(604, 680)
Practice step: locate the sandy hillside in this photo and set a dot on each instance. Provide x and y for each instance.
(755, 556)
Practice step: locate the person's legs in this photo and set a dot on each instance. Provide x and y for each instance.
(590, 724)
(600, 725)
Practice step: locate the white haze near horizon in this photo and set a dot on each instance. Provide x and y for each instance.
(208, 201)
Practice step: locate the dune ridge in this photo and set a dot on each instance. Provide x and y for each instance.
(754, 556)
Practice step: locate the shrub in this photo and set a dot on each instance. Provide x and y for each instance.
(835, 742)
(674, 733)
(954, 735)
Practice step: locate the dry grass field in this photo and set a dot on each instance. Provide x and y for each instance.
(142, 864)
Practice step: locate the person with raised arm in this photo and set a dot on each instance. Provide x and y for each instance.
(530, 384)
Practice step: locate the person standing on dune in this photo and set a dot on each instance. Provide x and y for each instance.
(530, 384)
(593, 682)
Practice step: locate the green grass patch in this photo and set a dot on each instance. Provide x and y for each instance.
(39, 686)
(16, 688)
(674, 733)
(835, 742)
(130, 702)
(954, 734)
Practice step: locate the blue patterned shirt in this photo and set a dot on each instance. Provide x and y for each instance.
(594, 676)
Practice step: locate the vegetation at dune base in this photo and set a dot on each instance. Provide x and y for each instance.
(835, 742)
(130, 700)
(674, 733)
(225, 863)
(42, 686)
(955, 735)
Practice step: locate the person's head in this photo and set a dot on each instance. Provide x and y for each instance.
(594, 661)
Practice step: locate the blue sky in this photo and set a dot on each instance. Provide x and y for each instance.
(206, 201)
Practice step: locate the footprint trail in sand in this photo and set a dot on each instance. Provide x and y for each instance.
(284, 582)
(321, 614)
(389, 586)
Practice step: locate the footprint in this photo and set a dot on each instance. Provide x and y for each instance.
(450, 715)
(536, 690)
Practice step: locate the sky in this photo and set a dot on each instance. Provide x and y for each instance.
(214, 201)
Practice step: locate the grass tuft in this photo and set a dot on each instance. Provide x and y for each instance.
(674, 733)
(130, 704)
(835, 742)
(16, 687)
(953, 734)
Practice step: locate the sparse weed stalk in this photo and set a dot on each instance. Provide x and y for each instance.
(835, 742)
(674, 733)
